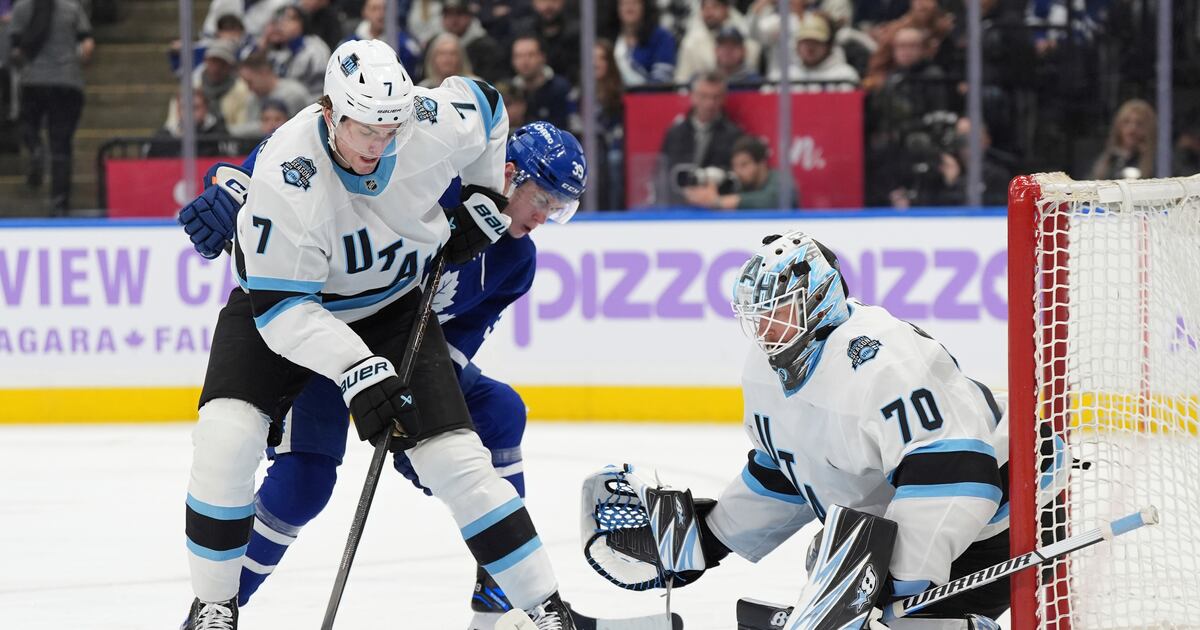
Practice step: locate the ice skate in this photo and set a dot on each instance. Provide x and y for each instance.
(488, 602)
(212, 616)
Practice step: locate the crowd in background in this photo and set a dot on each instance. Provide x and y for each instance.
(1067, 83)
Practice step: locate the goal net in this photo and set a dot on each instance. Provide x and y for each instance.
(1104, 376)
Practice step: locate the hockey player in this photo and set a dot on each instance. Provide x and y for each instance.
(546, 173)
(328, 250)
(847, 405)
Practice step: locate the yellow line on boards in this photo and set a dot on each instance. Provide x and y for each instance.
(545, 402)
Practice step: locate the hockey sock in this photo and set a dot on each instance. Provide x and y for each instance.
(228, 443)
(297, 487)
(490, 514)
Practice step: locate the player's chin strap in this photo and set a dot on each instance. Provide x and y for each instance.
(640, 535)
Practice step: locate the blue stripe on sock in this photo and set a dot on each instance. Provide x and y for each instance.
(213, 554)
(218, 512)
(517, 555)
(491, 518)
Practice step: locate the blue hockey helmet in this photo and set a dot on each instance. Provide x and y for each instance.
(789, 296)
(552, 159)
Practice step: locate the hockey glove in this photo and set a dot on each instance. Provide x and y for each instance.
(209, 219)
(378, 400)
(476, 223)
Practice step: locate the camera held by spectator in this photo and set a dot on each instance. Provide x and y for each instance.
(685, 176)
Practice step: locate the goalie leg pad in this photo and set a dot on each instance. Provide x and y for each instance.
(849, 567)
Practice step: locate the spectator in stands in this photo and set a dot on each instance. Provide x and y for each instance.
(876, 12)
(731, 59)
(255, 15)
(256, 71)
(225, 90)
(424, 20)
(445, 57)
(697, 49)
(1187, 151)
(944, 180)
(1129, 152)
(610, 125)
(293, 54)
(274, 113)
(514, 105)
(484, 53)
(703, 137)
(765, 26)
(374, 19)
(546, 94)
(326, 21)
(645, 52)
(757, 183)
(925, 16)
(818, 57)
(558, 31)
(8, 107)
(230, 27)
(212, 137)
(51, 40)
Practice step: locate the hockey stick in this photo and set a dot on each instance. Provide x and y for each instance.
(752, 613)
(404, 373)
(647, 622)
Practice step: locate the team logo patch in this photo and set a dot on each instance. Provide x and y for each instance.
(350, 64)
(862, 349)
(866, 588)
(298, 172)
(425, 109)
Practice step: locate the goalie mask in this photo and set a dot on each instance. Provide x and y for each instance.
(789, 297)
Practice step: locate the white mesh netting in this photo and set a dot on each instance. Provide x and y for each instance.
(1120, 384)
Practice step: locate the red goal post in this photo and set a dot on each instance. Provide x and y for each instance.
(1104, 392)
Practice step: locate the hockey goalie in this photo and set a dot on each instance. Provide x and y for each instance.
(856, 418)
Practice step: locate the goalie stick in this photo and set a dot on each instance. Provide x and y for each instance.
(751, 612)
(648, 622)
(404, 373)
(518, 620)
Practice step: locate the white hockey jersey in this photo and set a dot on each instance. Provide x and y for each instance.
(887, 424)
(318, 246)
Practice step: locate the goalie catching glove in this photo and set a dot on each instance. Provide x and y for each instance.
(640, 536)
(476, 223)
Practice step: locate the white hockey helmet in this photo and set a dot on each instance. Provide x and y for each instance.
(366, 82)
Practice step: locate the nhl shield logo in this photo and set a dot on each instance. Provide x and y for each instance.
(371, 185)
(298, 172)
(862, 349)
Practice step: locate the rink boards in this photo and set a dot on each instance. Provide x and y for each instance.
(628, 317)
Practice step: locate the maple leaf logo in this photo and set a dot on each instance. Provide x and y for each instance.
(444, 298)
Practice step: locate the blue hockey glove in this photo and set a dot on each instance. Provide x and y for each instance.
(209, 219)
(405, 467)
